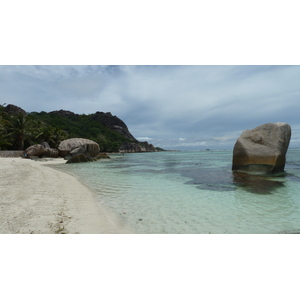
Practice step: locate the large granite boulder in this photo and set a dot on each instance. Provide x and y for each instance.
(262, 149)
(87, 146)
(77, 151)
(34, 150)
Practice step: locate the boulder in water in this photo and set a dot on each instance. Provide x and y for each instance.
(102, 156)
(80, 158)
(262, 149)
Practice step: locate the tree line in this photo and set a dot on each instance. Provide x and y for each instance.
(19, 131)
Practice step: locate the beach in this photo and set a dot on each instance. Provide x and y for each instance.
(37, 199)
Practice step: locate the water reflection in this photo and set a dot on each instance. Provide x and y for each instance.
(257, 183)
(209, 179)
(225, 180)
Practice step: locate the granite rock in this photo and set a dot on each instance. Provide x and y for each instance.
(80, 158)
(49, 152)
(34, 150)
(137, 147)
(14, 110)
(84, 145)
(262, 149)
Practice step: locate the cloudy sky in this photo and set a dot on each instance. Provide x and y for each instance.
(174, 107)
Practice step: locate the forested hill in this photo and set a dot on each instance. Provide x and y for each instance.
(19, 129)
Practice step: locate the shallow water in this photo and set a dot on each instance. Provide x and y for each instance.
(194, 192)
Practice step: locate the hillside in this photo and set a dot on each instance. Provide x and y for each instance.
(110, 132)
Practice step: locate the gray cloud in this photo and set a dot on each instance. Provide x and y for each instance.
(189, 107)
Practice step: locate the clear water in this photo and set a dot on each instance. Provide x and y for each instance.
(194, 192)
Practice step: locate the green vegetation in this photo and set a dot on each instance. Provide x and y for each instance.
(4, 125)
(84, 126)
(160, 149)
(17, 132)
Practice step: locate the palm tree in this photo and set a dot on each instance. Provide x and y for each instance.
(4, 124)
(21, 131)
(58, 136)
(52, 135)
(3, 134)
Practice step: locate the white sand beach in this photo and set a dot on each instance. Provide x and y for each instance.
(35, 198)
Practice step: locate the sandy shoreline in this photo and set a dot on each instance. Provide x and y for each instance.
(35, 198)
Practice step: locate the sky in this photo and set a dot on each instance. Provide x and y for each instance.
(178, 107)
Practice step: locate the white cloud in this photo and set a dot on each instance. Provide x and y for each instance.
(142, 139)
(223, 138)
(211, 103)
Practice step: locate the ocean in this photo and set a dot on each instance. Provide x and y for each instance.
(194, 193)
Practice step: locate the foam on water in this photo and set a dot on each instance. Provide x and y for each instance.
(194, 192)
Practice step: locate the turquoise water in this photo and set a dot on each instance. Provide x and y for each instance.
(194, 192)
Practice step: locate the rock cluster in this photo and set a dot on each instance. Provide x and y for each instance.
(40, 151)
(83, 157)
(70, 148)
(140, 147)
(262, 149)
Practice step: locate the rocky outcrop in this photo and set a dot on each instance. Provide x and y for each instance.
(137, 147)
(14, 110)
(80, 158)
(114, 123)
(34, 150)
(101, 126)
(84, 157)
(102, 156)
(40, 150)
(45, 145)
(262, 149)
(106, 119)
(78, 145)
(49, 152)
(64, 113)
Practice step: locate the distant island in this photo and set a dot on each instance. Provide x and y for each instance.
(19, 130)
